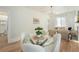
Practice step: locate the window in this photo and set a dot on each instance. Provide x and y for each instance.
(61, 22)
(3, 23)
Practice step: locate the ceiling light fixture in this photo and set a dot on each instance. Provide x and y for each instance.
(51, 12)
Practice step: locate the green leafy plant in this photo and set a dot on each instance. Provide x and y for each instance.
(39, 30)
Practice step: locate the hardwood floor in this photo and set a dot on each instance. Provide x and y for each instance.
(3, 40)
(11, 47)
(66, 46)
(69, 46)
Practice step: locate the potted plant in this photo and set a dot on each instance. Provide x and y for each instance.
(40, 35)
(39, 31)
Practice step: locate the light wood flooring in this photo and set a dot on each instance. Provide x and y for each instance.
(69, 46)
(9, 47)
(66, 46)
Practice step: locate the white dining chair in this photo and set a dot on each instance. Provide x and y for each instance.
(57, 43)
(32, 48)
(54, 43)
(24, 37)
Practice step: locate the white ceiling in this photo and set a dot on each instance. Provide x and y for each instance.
(55, 9)
(47, 9)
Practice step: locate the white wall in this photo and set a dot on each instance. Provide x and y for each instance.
(21, 20)
(69, 16)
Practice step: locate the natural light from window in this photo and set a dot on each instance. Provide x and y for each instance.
(61, 22)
